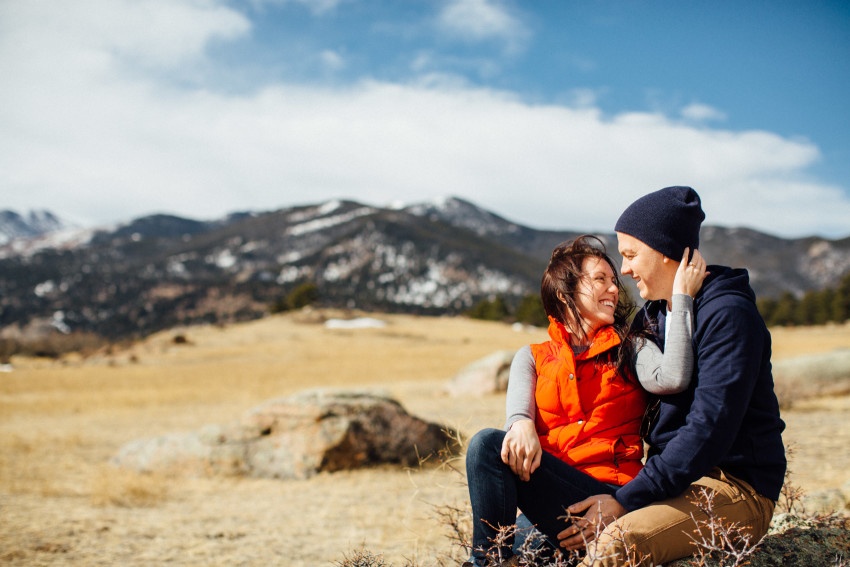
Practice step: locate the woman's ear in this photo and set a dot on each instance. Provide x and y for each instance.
(561, 298)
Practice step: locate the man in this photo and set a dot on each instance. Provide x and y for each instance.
(723, 433)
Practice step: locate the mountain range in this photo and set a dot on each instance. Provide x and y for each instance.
(440, 257)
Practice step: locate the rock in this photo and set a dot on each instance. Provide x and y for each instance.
(297, 437)
(484, 376)
(825, 374)
(795, 542)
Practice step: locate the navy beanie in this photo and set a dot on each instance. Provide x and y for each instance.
(666, 220)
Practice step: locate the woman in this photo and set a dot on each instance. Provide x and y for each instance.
(579, 434)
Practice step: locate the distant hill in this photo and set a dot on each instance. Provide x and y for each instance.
(430, 258)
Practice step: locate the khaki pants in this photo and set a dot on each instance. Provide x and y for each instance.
(662, 532)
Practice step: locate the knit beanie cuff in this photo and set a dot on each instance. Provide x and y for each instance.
(667, 220)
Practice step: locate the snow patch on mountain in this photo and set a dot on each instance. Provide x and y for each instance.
(66, 239)
(463, 214)
(36, 223)
(327, 222)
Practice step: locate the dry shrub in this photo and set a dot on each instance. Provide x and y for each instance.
(53, 345)
(457, 520)
(114, 486)
(717, 540)
(791, 496)
(364, 558)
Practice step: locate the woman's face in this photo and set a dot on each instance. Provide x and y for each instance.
(596, 295)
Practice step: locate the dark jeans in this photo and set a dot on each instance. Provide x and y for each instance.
(496, 492)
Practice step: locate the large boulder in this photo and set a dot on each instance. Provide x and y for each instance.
(484, 376)
(297, 437)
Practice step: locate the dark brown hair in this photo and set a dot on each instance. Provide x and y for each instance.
(561, 279)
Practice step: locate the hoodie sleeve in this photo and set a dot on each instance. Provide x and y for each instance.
(728, 340)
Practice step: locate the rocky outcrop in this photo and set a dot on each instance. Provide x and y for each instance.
(484, 376)
(297, 437)
(796, 542)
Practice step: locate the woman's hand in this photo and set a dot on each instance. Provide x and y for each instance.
(690, 275)
(521, 449)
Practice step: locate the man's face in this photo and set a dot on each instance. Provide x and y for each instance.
(648, 267)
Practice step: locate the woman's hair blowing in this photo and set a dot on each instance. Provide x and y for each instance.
(559, 287)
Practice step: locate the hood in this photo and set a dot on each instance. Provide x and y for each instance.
(725, 282)
(722, 284)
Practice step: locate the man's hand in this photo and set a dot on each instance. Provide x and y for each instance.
(598, 510)
(521, 449)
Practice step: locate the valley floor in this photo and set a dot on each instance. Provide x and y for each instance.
(60, 422)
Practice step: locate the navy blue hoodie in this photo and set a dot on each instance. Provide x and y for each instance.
(729, 416)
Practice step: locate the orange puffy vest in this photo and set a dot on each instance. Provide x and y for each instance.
(587, 414)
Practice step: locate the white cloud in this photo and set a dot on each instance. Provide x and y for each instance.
(698, 112)
(318, 7)
(331, 60)
(90, 36)
(94, 141)
(479, 20)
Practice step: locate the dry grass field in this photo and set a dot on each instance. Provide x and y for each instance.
(60, 503)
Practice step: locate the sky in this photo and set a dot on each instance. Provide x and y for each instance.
(555, 114)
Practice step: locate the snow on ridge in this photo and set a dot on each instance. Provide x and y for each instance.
(330, 206)
(317, 211)
(327, 222)
(66, 239)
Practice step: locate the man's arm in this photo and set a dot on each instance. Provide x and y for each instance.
(730, 341)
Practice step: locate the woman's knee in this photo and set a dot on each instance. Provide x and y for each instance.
(484, 445)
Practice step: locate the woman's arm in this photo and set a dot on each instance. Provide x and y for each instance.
(522, 382)
(670, 372)
(521, 448)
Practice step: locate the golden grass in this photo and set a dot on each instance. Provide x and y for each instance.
(113, 486)
(60, 422)
(790, 342)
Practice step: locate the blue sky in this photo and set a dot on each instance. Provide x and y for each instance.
(555, 114)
